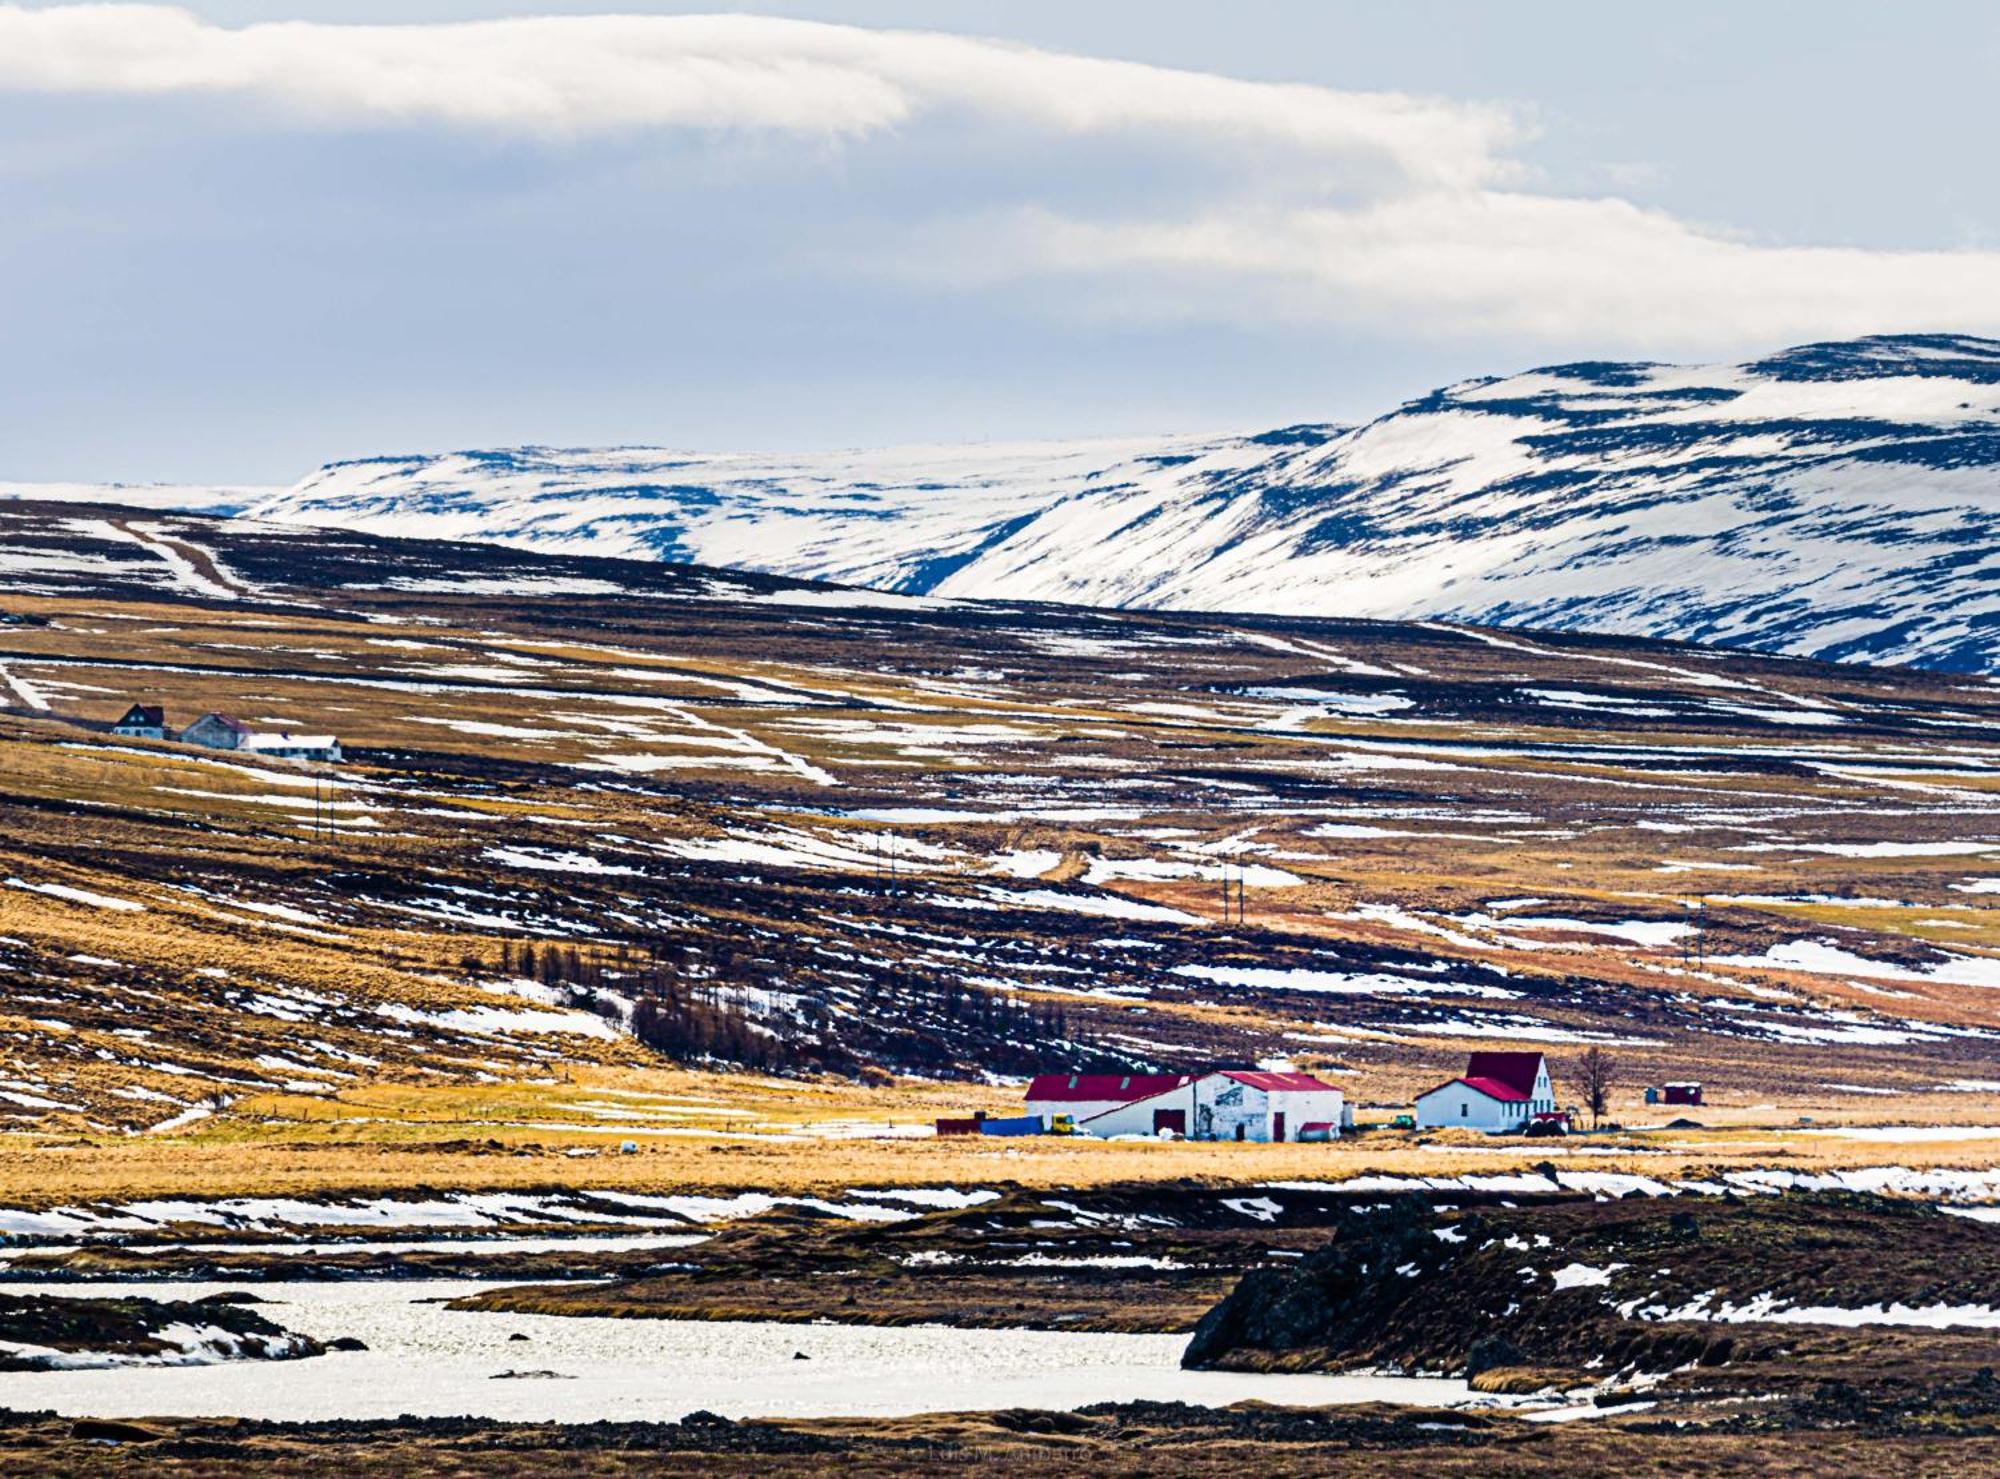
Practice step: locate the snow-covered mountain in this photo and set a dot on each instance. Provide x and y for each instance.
(1839, 500)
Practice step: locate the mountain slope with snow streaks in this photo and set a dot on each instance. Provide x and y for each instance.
(1836, 500)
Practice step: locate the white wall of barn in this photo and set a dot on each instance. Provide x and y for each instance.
(1302, 1107)
(1080, 1109)
(1227, 1107)
(1143, 1116)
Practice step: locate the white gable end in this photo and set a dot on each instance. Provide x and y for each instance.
(1457, 1105)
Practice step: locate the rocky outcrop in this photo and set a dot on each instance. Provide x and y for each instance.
(50, 1333)
(1641, 1285)
(1335, 1301)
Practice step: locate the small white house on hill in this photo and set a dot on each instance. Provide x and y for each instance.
(1233, 1104)
(1498, 1092)
(142, 721)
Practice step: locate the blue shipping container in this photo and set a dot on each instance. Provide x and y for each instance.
(1025, 1124)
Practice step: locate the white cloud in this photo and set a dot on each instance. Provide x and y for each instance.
(1506, 264)
(1398, 213)
(576, 75)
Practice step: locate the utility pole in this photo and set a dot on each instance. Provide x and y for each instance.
(1694, 944)
(323, 795)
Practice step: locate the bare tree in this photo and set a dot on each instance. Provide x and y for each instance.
(1595, 1073)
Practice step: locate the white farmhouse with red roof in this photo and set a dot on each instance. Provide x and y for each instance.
(1498, 1092)
(1229, 1104)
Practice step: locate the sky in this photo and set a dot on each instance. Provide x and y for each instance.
(238, 240)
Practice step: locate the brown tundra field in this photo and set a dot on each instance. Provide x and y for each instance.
(653, 897)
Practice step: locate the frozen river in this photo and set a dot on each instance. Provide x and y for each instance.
(429, 1361)
(333, 1247)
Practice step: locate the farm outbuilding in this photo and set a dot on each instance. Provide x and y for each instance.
(1496, 1093)
(220, 732)
(1081, 1095)
(1233, 1104)
(1681, 1093)
(294, 746)
(216, 732)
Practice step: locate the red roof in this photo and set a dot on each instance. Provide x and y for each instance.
(151, 715)
(1515, 1071)
(1086, 1088)
(1276, 1082)
(1492, 1088)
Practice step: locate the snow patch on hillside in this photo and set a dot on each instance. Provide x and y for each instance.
(1835, 501)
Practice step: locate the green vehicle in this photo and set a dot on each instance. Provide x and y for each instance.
(1403, 1122)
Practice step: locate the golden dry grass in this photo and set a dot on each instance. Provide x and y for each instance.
(735, 710)
(719, 1132)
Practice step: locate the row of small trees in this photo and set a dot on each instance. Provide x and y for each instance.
(684, 1009)
(687, 1028)
(552, 965)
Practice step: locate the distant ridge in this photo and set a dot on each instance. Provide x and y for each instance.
(1837, 500)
